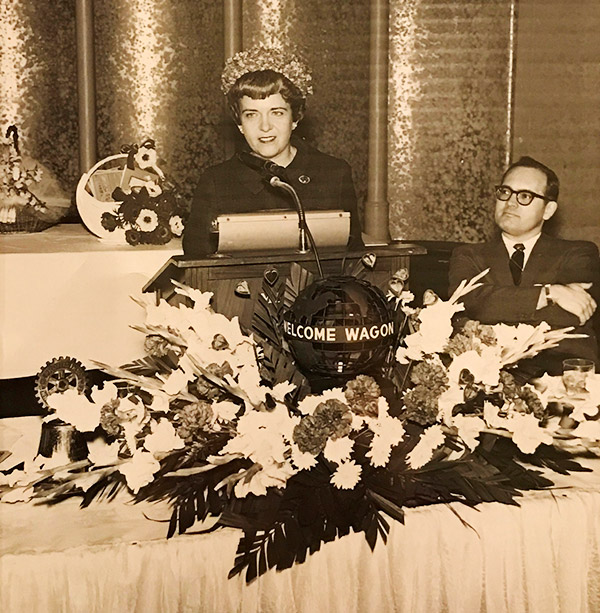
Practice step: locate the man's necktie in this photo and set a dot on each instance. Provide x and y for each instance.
(516, 262)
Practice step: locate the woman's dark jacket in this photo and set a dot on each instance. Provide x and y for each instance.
(233, 187)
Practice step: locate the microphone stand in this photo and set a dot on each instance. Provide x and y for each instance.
(303, 229)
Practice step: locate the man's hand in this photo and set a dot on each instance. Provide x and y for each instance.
(575, 299)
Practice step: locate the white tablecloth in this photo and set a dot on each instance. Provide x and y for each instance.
(542, 557)
(66, 292)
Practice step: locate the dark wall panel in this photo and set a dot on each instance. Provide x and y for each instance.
(158, 65)
(557, 104)
(38, 81)
(334, 39)
(449, 70)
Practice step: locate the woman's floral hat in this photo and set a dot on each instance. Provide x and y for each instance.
(262, 57)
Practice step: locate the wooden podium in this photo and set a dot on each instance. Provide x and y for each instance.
(222, 274)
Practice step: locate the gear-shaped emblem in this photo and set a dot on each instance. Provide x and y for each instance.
(59, 375)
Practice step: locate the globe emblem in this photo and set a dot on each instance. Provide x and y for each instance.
(339, 326)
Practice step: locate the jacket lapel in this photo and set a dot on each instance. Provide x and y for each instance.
(541, 258)
(497, 259)
(250, 179)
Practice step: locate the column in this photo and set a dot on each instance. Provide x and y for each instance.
(376, 212)
(84, 16)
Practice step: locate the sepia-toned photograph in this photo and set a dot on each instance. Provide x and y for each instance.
(299, 306)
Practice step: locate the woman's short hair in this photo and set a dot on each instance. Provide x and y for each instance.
(261, 84)
(552, 183)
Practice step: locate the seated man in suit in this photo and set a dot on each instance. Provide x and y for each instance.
(533, 277)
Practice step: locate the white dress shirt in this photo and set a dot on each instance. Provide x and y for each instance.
(528, 244)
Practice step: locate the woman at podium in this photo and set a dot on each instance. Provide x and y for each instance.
(266, 91)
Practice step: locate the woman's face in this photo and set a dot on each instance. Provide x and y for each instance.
(267, 126)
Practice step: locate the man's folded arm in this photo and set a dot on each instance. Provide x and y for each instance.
(509, 304)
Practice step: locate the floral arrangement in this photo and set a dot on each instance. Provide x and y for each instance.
(21, 210)
(151, 209)
(223, 426)
(262, 57)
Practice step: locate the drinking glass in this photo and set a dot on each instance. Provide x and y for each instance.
(575, 373)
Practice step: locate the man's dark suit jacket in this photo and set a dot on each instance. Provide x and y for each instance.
(233, 187)
(552, 260)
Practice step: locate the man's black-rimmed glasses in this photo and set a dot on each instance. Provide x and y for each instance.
(524, 196)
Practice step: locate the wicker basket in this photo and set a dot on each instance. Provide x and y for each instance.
(22, 226)
(18, 216)
(28, 219)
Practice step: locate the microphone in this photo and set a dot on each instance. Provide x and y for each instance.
(261, 164)
(278, 177)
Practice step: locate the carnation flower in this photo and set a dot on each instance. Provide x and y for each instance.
(471, 337)
(311, 435)
(334, 415)
(193, 419)
(388, 432)
(158, 346)
(421, 405)
(347, 475)
(331, 418)
(430, 373)
(524, 398)
(110, 423)
(362, 395)
(206, 388)
(131, 410)
(447, 401)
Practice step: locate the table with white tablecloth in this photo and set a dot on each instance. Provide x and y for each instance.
(67, 292)
(542, 556)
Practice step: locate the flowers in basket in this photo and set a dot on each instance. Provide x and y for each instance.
(151, 209)
(223, 426)
(21, 210)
